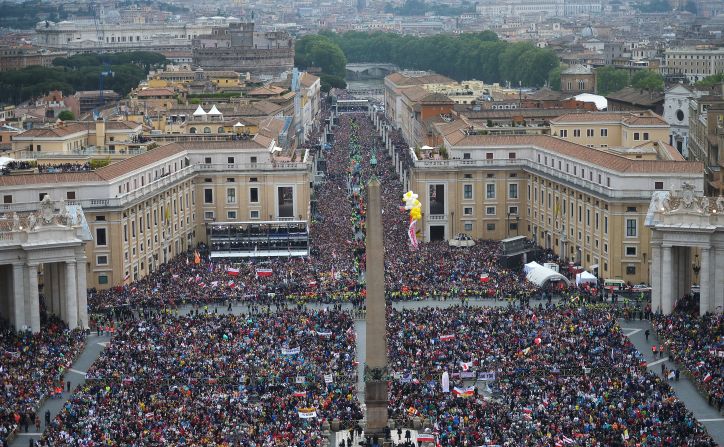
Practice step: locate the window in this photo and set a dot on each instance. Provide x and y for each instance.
(285, 201)
(209, 215)
(100, 218)
(646, 136)
(41, 196)
(630, 227)
(630, 251)
(564, 133)
(467, 192)
(230, 160)
(7, 198)
(490, 210)
(253, 161)
(604, 132)
(230, 179)
(513, 191)
(230, 195)
(630, 269)
(208, 195)
(102, 260)
(490, 227)
(659, 185)
(70, 195)
(490, 190)
(254, 214)
(605, 225)
(252, 179)
(207, 130)
(436, 197)
(468, 226)
(511, 155)
(101, 237)
(488, 155)
(631, 209)
(468, 211)
(637, 136)
(589, 132)
(467, 175)
(513, 210)
(207, 160)
(576, 132)
(231, 215)
(102, 279)
(466, 155)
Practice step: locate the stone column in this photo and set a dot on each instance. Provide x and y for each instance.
(82, 292)
(32, 304)
(705, 282)
(376, 352)
(71, 296)
(49, 289)
(655, 276)
(18, 304)
(60, 269)
(718, 272)
(667, 281)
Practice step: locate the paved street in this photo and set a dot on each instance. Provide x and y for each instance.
(633, 329)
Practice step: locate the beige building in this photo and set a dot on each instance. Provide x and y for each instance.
(706, 137)
(696, 63)
(77, 137)
(604, 130)
(146, 209)
(585, 204)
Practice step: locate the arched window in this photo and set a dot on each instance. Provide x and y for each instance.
(221, 130)
(192, 130)
(207, 130)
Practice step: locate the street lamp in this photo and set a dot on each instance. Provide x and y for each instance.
(517, 225)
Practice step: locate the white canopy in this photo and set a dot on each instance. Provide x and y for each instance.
(541, 275)
(214, 111)
(238, 124)
(584, 277)
(530, 266)
(199, 111)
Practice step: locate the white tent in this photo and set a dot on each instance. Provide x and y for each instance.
(541, 275)
(531, 266)
(214, 111)
(199, 111)
(584, 277)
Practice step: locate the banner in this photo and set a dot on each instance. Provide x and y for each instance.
(290, 351)
(232, 271)
(464, 392)
(466, 365)
(300, 394)
(447, 337)
(486, 375)
(263, 273)
(300, 379)
(324, 334)
(425, 437)
(467, 375)
(327, 378)
(307, 413)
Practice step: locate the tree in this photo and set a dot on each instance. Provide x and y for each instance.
(554, 77)
(710, 81)
(610, 79)
(327, 82)
(648, 80)
(66, 115)
(320, 51)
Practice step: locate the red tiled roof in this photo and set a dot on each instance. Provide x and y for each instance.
(577, 151)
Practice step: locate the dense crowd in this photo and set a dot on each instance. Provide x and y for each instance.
(31, 370)
(334, 271)
(211, 380)
(44, 168)
(697, 343)
(562, 377)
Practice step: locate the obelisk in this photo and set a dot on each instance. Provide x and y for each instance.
(376, 355)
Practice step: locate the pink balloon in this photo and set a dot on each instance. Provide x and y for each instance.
(537, 340)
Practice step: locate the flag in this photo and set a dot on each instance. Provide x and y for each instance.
(232, 271)
(197, 257)
(300, 394)
(484, 277)
(447, 337)
(707, 378)
(466, 365)
(214, 284)
(464, 392)
(202, 285)
(128, 275)
(263, 273)
(411, 232)
(231, 283)
(567, 440)
(211, 267)
(425, 437)
(412, 411)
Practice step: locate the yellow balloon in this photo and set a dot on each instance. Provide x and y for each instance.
(416, 213)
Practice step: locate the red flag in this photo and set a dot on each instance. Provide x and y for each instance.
(263, 273)
(232, 271)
